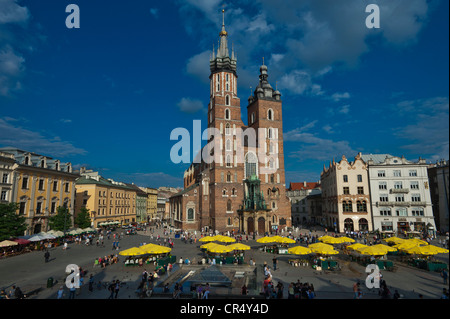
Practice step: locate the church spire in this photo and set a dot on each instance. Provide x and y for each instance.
(222, 59)
(223, 47)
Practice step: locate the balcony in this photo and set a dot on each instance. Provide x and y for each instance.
(399, 190)
(400, 204)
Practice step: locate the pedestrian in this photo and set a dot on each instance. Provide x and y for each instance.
(72, 292)
(111, 290)
(396, 295)
(46, 256)
(91, 282)
(116, 288)
(355, 290)
(60, 293)
(444, 275)
(18, 294)
(274, 263)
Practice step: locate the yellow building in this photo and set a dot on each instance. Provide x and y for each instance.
(106, 199)
(152, 202)
(40, 184)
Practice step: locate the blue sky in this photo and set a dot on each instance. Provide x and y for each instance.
(108, 95)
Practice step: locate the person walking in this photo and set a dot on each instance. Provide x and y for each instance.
(274, 260)
(444, 275)
(60, 293)
(116, 289)
(111, 288)
(72, 292)
(47, 256)
(91, 283)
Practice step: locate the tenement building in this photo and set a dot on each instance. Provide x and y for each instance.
(239, 183)
(39, 184)
(400, 194)
(346, 196)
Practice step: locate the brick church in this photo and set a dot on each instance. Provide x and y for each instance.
(243, 188)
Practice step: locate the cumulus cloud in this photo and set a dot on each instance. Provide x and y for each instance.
(188, 105)
(16, 136)
(302, 40)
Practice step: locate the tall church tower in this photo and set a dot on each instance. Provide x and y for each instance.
(224, 114)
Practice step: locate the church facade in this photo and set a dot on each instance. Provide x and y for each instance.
(239, 183)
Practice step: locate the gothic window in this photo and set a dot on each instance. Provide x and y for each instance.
(218, 83)
(227, 99)
(227, 114)
(190, 214)
(229, 205)
(251, 165)
(228, 177)
(270, 133)
(228, 145)
(227, 129)
(252, 118)
(228, 160)
(233, 192)
(270, 114)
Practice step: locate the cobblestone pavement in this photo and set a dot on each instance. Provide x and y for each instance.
(30, 272)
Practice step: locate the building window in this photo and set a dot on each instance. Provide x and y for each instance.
(415, 197)
(397, 173)
(381, 174)
(414, 185)
(227, 114)
(401, 212)
(382, 185)
(417, 212)
(53, 207)
(229, 206)
(55, 186)
(228, 177)
(66, 187)
(190, 214)
(345, 178)
(5, 178)
(227, 129)
(3, 195)
(41, 184)
(25, 182)
(227, 99)
(360, 190)
(385, 212)
(229, 164)
(398, 185)
(228, 145)
(347, 206)
(359, 178)
(384, 198)
(413, 172)
(233, 192)
(38, 207)
(346, 190)
(361, 206)
(251, 165)
(270, 114)
(252, 118)
(399, 198)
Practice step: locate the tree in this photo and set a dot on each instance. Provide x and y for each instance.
(11, 224)
(62, 220)
(83, 219)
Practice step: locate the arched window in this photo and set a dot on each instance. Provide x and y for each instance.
(228, 161)
(224, 191)
(228, 145)
(270, 133)
(270, 114)
(227, 114)
(218, 83)
(233, 191)
(227, 99)
(229, 177)
(227, 129)
(229, 205)
(252, 118)
(251, 165)
(190, 214)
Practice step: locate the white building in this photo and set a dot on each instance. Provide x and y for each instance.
(400, 194)
(6, 174)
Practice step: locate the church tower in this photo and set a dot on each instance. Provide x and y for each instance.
(224, 114)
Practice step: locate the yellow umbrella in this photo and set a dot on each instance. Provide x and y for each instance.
(418, 241)
(388, 248)
(426, 250)
(155, 249)
(345, 239)
(285, 240)
(325, 238)
(267, 240)
(373, 251)
(134, 251)
(394, 240)
(206, 239)
(239, 246)
(220, 249)
(356, 246)
(224, 239)
(299, 250)
(206, 246)
(323, 249)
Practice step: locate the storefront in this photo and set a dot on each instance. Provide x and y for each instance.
(403, 227)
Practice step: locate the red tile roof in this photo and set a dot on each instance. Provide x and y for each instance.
(299, 186)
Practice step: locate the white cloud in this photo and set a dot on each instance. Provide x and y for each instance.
(19, 137)
(198, 66)
(345, 109)
(11, 12)
(336, 97)
(11, 69)
(188, 105)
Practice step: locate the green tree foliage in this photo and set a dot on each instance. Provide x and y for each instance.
(11, 224)
(62, 218)
(83, 219)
